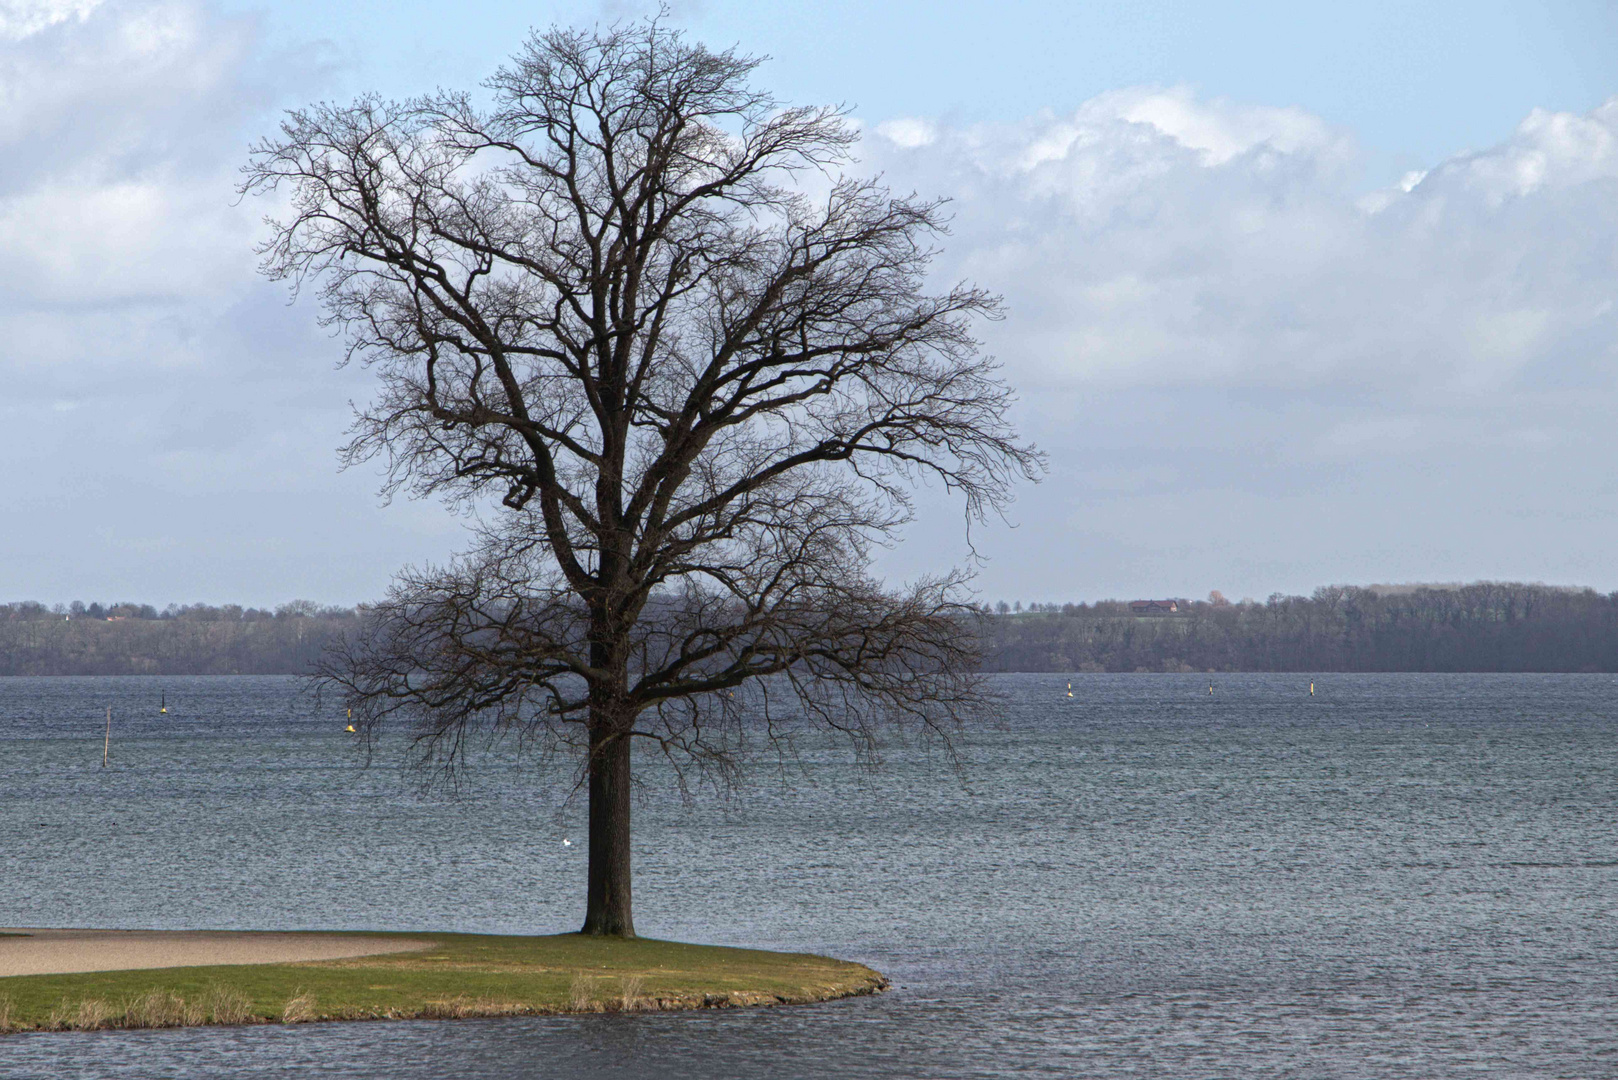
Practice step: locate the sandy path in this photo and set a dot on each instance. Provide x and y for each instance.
(54, 952)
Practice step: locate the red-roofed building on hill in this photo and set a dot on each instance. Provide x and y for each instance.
(1154, 607)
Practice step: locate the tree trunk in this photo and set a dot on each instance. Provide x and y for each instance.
(607, 905)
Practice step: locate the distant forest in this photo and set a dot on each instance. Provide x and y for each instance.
(1482, 627)
(1488, 626)
(137, 639)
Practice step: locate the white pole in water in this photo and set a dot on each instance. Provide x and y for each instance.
(106, 747)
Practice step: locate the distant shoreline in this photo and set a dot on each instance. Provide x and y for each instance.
(1473, 629)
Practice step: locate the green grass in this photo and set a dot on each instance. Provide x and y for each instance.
(459, 975)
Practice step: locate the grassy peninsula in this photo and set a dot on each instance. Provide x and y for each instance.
(457, 975)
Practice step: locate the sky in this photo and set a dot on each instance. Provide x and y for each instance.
(1296, 294)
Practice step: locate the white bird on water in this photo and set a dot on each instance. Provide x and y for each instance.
(567, 843)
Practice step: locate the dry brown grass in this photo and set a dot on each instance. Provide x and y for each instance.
(582, 994)
(224, 1005)
(629, 999)
(460, 1007)
(160, 1009)
(154, 1009)
(299, 1009)
(87, 1014)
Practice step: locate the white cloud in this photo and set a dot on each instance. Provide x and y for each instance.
(1153, 239)
(121, 131)
(908, 133)
(25, 18)
(159, 394)
(1217, 130)
(115, 187)
(1206, 288)
(1550, 150)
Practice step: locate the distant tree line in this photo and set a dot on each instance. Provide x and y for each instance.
(137, 639)
(1490, 626)
(1484, 627)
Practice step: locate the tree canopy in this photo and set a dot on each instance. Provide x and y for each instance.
(686, 366)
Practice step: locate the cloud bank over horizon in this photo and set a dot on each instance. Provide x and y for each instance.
(1152, 239)
(1251, 372)
(1250, 369)
(169, 421)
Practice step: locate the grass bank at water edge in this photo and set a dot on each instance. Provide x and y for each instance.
(457, 975)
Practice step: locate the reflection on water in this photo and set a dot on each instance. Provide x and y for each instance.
(1405, 875)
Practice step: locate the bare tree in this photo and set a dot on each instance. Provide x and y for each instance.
(636, 299)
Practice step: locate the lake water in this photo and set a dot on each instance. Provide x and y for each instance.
(1401, 876)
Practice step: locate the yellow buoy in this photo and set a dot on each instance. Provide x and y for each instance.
(349, 728)
(1311, 689)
